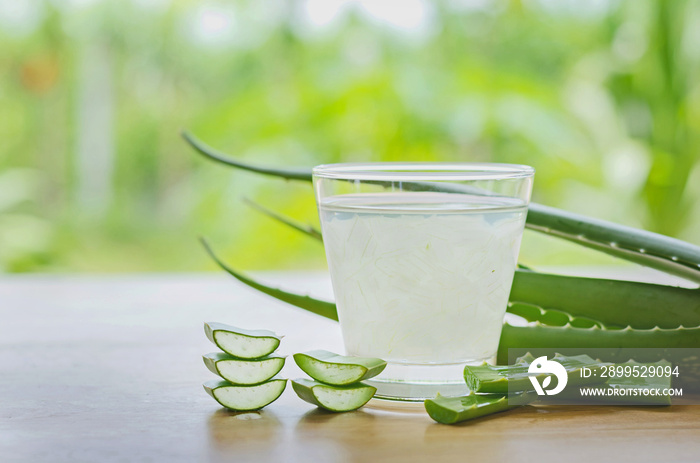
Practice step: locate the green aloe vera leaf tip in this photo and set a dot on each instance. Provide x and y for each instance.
(303, 228)
(322, 308)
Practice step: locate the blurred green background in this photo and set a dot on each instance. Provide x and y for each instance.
(601, 97)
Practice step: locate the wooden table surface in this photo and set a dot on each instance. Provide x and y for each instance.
(97, 369)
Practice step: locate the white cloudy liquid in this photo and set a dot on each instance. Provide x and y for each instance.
(422, 278)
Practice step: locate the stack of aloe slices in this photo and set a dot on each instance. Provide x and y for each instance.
(337, 380)
(247, 366)
(499, 388)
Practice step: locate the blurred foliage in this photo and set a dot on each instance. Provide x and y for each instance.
(603, 98)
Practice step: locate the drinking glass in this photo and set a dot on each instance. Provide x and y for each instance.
(422, 257)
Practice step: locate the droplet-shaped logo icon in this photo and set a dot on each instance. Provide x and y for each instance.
(541, 366)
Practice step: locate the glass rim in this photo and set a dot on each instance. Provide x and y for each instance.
(423, 171)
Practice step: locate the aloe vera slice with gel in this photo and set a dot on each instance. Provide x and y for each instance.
(338, 370)
(245, 398)
(243, 372)
(241, 343)
(451, 410)
(333, 398)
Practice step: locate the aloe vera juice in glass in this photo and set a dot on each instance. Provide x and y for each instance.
(421, 277)
(422, 258)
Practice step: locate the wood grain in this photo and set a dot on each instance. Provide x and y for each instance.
(110, 369)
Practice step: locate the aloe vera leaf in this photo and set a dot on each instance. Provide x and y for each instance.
(516, 377)
(537, 336)
(338, 370)
(451, 410)
(243, 372)
(217, 156)
(334, 398)
(549, 317)
(304, 228)
(547, 337)
(322, 308)
(653, 250)
(611, 302)
(245, 398)
(556, 300)
(328, 309)
(242, 343)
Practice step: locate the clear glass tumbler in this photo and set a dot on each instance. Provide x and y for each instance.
(422, 257)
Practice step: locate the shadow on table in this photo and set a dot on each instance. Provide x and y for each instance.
(325, 418)
(539, 419)
(336, 437)
(241, 433)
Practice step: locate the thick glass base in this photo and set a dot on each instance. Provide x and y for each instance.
(415, 383)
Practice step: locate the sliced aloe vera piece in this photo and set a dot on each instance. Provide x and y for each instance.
(514, 378)
(338, 370)
(450, 410)
(333, 398)
(242, 343)
(245, 398)
(243, 372)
